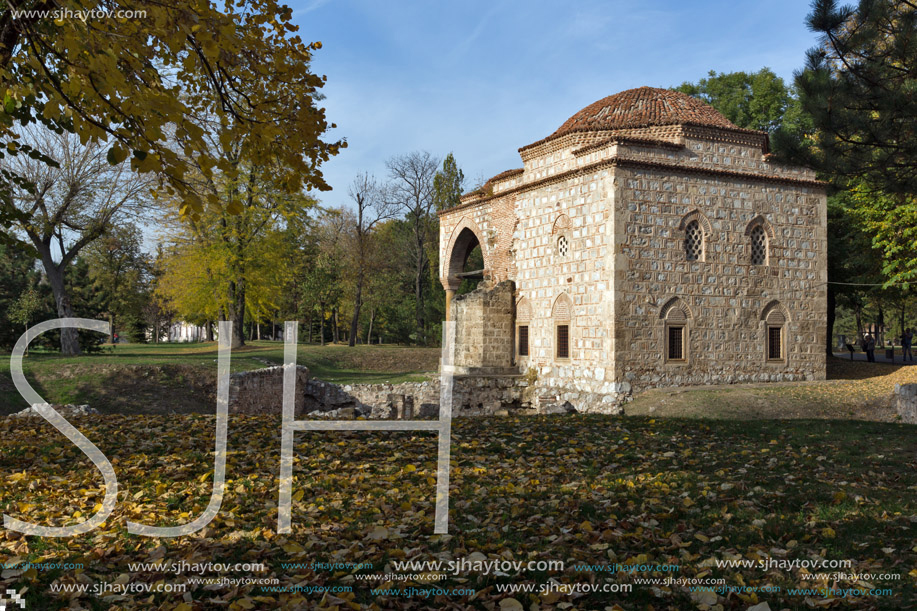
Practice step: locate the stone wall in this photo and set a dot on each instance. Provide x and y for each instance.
(724, 296)
(906, 403)
(472, 395)
(484, 329)
(261, 391)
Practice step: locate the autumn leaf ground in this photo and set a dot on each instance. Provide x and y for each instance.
(586, 490)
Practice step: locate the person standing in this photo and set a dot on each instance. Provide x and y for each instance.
(870, 348)
(907, 339)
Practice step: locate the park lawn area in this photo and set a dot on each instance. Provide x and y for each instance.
(174, 377)
(586, 490)
(854, 390)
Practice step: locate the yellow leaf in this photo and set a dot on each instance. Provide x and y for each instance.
(297, 496)
(410, 468)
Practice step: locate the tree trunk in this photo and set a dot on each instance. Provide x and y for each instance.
(336, 330)
(832, 304)
(321, 324)
(858, 315)
(209, 330)
(357, 304)
(237, 314)
(418, 295)
(369, 334)
(880, 327)
(311, 322)
(258, 332)
(69, 340)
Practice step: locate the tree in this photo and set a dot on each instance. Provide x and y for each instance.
(17, 275)
(448, 184)
(157, 311)
(411, 189)
(136, 80)
(858, 86)
(69, 205)
(120, 274)
(852, 262)
(755, 100)
(370, 209)
(323, 282)
(23, 310)
(226, 266)
(891, 222)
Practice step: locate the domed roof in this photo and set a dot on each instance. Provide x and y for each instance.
(643, 107)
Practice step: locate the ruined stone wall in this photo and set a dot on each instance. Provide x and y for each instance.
(472, 396)
(484, 329)
(261, 391)
(724, 293)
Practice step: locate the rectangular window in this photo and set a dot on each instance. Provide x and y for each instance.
(563, 341)
(775, 343)
(676, 344)
(523, 340)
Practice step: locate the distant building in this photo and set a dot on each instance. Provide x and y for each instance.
(186, 332)
(646, 242)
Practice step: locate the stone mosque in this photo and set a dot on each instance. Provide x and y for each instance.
(647, 242)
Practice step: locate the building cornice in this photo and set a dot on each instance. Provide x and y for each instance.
(631, 163)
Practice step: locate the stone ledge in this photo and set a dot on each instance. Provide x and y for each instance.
(906, 404)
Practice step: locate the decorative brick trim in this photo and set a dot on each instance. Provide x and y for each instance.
(469, 224)
(774, 313)
(763, 223)
(675, 310)
(624, 162)
(633, 141)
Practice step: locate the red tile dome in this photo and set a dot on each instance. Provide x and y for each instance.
(643, 107)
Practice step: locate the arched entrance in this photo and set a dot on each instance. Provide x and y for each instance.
(465, 263)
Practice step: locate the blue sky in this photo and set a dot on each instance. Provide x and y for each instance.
(482, 79)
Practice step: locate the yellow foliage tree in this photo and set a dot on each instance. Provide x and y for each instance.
(138, 76)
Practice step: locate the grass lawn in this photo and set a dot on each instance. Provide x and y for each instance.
(159, 378)
(853, 390)
(585, 490)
